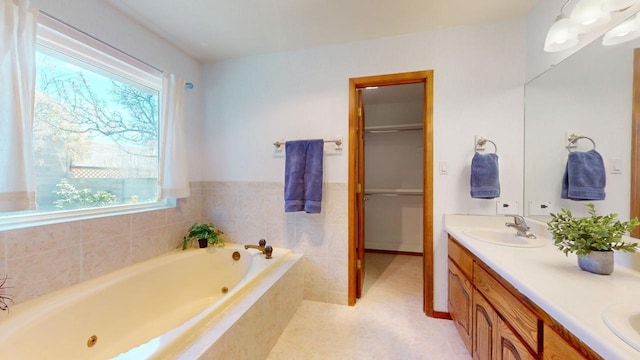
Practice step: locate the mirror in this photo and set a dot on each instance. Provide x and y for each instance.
(588, 94)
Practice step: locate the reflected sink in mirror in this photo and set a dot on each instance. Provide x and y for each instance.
(624, 320)
(505, 237)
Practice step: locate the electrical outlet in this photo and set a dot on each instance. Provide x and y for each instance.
(539, 207)
(507, 208)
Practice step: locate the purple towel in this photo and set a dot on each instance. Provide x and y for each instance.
(584, 176)
(303, 176)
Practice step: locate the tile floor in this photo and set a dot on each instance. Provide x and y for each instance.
(386, 323)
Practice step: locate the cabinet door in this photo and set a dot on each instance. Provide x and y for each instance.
(556, 348)
(509, 347)
(484, 328)
(460, 292)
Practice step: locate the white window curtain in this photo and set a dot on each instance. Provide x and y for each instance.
(173, 176)
(18, 21)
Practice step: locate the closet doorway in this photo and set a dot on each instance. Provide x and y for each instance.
(413, 185)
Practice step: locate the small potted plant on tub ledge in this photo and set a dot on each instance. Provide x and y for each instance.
(204, 233)
(593, 238)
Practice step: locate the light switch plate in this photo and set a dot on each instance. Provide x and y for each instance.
(615, 166)
(504, 207)
(444, 167)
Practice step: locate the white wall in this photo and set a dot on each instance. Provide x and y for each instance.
(107, 24)
(478, 90)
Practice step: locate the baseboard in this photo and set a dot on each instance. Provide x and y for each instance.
(393, 252)
(441, 315)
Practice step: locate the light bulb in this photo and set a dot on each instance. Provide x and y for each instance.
(559, 37)
(625, 31)
(588, 15)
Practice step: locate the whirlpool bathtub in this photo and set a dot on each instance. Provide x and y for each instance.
(177, 305)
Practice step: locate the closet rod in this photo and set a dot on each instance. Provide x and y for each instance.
(392, 194)
(388, 131)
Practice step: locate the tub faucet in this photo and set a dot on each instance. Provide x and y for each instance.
(521, 226)
(263, 247)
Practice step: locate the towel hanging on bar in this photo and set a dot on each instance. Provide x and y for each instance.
(338, 141)
(303, 176)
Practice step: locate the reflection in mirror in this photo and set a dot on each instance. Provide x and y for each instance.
(588, 94)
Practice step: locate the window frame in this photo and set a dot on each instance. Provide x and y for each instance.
(63, 38)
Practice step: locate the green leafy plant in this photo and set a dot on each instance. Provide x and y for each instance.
(202, 231)
(5, 298)
(591, 233)
(69, 197)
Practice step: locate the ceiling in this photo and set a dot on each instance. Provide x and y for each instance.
(214, 30)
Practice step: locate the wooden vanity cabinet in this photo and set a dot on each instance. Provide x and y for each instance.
(556, 348)
(484, 328)
(492, 337)
(509, 345)
(496, 321)
(460, 291)
(520, 318)
(483, 311)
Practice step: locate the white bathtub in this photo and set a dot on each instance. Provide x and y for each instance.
(153, 309)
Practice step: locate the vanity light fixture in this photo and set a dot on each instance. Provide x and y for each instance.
(626, 31)
(559, 37)
(370, 87)
(588, 15)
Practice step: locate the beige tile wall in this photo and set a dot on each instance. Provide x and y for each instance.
(249, 211)
(41, 259)
(253, 335)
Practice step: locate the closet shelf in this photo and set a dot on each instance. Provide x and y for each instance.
(393, 192)
(392, 128)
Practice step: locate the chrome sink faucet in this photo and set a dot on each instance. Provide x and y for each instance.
(521, 226)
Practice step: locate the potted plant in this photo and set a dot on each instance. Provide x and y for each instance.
(204, 233)
(5, 298)
(592, 238)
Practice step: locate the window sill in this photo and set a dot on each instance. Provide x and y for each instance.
(32, 220)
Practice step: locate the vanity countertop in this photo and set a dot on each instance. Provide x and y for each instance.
(575, 298)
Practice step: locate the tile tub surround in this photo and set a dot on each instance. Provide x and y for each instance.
(249, 211)
(553, 281)
(252, 326)
(42, 259)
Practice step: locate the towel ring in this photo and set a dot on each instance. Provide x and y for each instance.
(573, 138)
(482, 141)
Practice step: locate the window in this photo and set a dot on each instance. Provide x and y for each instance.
(96, 124)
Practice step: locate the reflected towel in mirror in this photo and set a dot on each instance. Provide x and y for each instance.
(584, 176)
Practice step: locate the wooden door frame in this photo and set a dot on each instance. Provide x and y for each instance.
(425, 77)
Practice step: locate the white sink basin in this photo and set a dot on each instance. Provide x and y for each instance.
(624, 320)
(505, 237)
